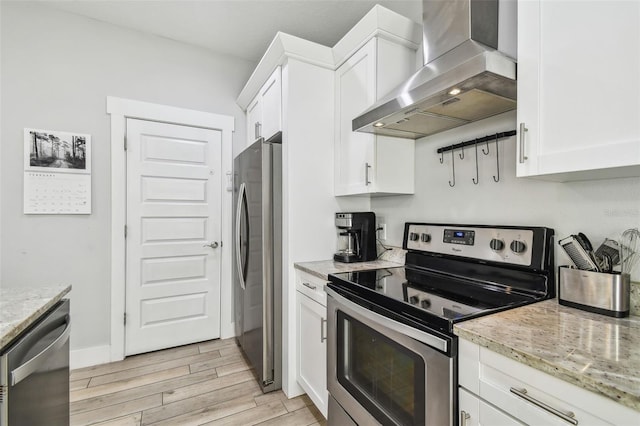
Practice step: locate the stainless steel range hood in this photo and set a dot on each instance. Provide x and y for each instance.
(469, 72)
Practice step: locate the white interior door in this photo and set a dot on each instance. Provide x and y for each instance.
(173, 231)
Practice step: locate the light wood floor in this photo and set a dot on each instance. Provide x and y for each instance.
(201, 384)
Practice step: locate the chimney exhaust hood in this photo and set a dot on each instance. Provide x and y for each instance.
(469, 72)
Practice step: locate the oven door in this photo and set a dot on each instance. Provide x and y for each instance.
(381, 371)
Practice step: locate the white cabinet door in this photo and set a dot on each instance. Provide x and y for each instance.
(355, 92)
(472, 411)
(312, 350)
(264, 113)
(271, 99)
(254, 118)
(578, 89)
(365, 163)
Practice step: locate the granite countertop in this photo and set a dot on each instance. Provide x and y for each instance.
(596, 352)
(21, 307)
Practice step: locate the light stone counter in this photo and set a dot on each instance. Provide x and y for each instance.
(21, 307)
(596, 352)
(321, 269)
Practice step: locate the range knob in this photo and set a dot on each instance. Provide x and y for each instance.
(413, 236)
(496, 244)
(414, 300)
(425, 238)
(425, 303)
(518, 246)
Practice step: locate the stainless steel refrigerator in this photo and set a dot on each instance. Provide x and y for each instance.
(258, 259)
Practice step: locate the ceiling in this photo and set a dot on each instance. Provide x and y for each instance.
(241, 28)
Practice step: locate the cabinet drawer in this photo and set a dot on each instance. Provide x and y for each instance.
(311, 286)
(532, 396)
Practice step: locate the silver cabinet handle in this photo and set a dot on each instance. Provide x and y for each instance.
(523, 130)
(367, 166)
(323, 330)
(311, 286)
(258, 129)
(567, 417)
(213, 245)
(464, 416)
(25, 370)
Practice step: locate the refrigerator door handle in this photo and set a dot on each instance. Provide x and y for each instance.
(241, 201)
(267, 266)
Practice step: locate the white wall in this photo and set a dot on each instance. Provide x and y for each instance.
(56, 72)
(599, 208)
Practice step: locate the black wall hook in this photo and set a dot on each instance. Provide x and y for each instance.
(497, 179)
(477, 178)
(453, 168)
(487, 142)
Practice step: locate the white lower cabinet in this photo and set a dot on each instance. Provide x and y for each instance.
(312, 339)
(475, 412)
(504, 391)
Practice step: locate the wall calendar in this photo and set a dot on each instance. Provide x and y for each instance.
(57, 172)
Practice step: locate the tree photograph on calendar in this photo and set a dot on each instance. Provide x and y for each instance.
(62, 151)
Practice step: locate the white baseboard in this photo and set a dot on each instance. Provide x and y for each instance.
(87, 357)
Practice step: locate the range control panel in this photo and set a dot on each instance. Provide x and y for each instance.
(507, 245)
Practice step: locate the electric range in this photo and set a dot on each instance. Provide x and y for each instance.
(406, 315)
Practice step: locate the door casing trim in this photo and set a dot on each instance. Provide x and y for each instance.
(120, 109)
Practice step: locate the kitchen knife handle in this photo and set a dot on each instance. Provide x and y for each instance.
(523, 130)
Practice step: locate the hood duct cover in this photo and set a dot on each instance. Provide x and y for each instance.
(469, 73)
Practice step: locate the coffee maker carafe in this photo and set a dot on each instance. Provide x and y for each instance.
(356, 237)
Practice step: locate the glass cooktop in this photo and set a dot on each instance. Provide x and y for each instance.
(446, 297)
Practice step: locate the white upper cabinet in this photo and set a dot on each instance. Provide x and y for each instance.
(366, 163)
(264, 113)
(578, 89)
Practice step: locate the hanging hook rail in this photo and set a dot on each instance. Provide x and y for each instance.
(453, 168)
(479, 140)
(477, 178)
(497, 162)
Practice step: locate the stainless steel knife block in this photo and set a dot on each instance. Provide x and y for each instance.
(598, 292)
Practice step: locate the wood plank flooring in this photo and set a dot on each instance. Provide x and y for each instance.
(207, 383)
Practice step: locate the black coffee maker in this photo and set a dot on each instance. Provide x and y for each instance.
(356, 237)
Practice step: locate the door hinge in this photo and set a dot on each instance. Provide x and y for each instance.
(125, 142)
(125, 318)
(125, 231)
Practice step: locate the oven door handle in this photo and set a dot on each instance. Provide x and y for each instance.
(426, 338)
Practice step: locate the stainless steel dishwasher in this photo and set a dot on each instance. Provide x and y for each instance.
(34, 373)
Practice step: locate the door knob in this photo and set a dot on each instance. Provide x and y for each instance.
(212, 245)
